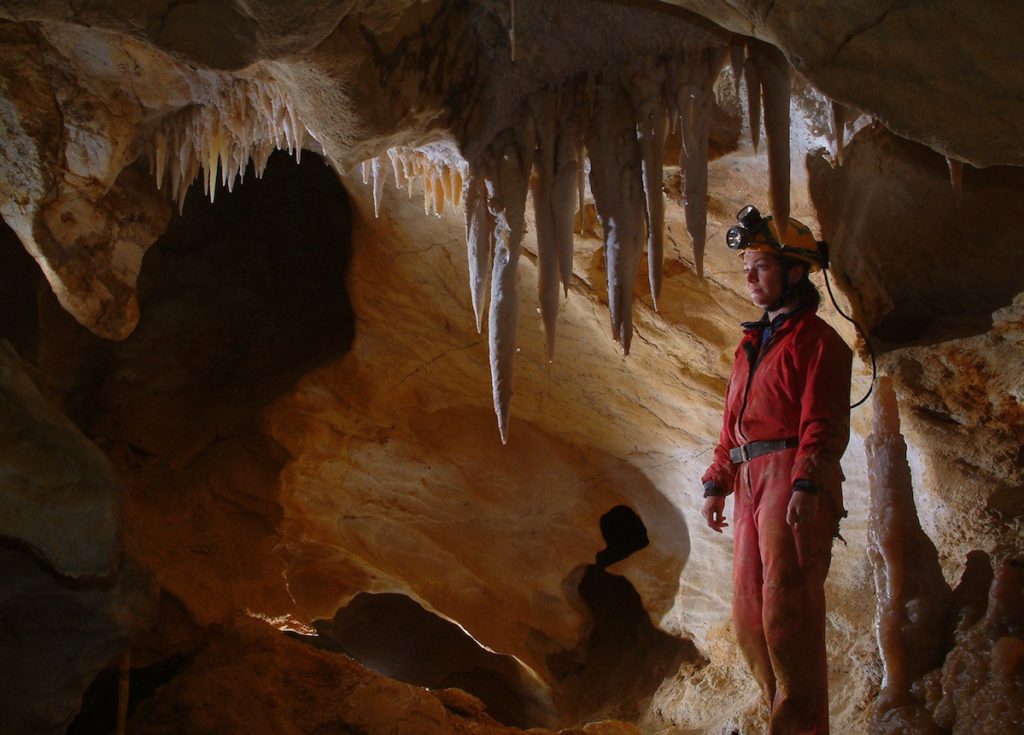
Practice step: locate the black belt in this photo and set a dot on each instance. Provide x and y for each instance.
(747, 452)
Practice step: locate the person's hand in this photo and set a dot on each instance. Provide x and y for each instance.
(714, 512)
(803, 508)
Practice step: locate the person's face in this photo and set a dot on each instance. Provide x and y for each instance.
(764, 277)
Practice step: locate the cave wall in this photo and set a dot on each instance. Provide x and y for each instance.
(297, 410)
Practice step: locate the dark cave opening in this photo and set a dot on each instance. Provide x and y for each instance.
(238, 300)
(623, 532)
(98, 715)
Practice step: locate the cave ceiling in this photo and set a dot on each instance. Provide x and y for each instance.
(481, 210)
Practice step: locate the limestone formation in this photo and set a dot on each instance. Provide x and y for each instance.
(248, 252)
(69, 601)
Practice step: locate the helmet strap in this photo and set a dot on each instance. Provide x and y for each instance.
(787, 287)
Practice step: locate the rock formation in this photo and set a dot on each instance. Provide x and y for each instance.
(249, 390)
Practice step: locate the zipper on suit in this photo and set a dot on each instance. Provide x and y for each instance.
(746, 389)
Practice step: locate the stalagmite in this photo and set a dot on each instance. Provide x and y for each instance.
(651, 128)
(981, 676)
(694, 94)
(956, 180)
(913, 599)
(838, 115)
(775, 75)
(616, 181)
(513, 158)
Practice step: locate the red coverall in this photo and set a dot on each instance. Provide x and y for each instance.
(797, 385)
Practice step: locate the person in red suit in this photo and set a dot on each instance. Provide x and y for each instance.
(785, 428)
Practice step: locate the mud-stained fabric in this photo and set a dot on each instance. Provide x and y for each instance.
(797, 384)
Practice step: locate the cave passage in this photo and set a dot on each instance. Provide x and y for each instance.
(238, 300)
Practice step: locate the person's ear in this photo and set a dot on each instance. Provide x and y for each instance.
(797, 271)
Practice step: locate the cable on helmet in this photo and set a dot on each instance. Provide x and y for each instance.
(757, 233)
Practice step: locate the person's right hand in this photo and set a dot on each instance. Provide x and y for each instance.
(714, 512)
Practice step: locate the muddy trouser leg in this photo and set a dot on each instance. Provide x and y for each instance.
(794, 566)
(747, 583)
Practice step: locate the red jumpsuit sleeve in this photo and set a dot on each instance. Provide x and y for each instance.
(722, 471)
(824, 413)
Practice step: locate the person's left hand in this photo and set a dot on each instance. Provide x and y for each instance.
(803, 507)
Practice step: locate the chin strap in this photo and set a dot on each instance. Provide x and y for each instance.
(787, 291)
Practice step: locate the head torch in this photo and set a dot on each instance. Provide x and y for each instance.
(751, 227)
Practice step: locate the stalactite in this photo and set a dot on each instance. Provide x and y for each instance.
(583, 110)
(775, 75)
(913, 598)
(428, 194)
(437, 180)
(694, 94)
(647, 90)
(956, 180)
(545, 115)
(512, 151)
(622, 123)
(379, 173)
(838, 115)
(753, 77)
(512, 27)
(397, 168)
(250, 119)
(479, 234)
(569, 159)
(737, 57)
(616, 181)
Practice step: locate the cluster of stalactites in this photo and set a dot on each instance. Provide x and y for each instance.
(840, 116)
(250, 120)
(440, 174)
(619, 121)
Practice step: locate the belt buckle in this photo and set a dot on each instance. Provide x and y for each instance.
(744, 453)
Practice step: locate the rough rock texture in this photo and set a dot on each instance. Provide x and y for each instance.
(914, 66)
(251, 678)
(68, 603)
(275, 465)
(69, 512)
(889, 213)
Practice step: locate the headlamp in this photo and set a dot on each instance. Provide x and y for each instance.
(751, 227)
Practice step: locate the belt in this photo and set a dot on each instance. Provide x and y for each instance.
(747, 452)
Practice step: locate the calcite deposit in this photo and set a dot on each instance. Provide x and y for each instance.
(271, 272)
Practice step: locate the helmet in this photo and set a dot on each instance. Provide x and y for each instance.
(759, 234)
